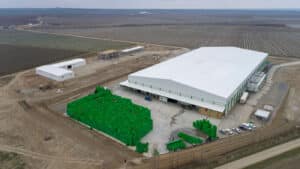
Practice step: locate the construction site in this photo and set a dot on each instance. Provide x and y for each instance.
(106, 111)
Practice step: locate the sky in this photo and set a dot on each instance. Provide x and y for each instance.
(153, 4)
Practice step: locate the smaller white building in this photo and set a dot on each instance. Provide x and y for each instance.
(131, 50)
(60, 71)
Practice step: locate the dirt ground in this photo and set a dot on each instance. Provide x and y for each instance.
(290, 75)
(47, 138)
(167, 118)
(32, 120)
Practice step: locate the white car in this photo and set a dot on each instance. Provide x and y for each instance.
(252, 125)
(237, 130)
(226, 131)
(229, 131)
(245, 126)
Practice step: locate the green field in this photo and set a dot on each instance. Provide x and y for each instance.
(287, 160)
(16, 58)
(11, 161)
(21, 50)
(23, 38)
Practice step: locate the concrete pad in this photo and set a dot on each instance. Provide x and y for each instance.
(167, 117)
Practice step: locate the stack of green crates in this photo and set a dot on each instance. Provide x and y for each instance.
(142, 147)
(176, 145)
(189, 139)
(113, 115)
(206, 127)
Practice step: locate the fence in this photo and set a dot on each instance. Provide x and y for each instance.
(207, 152)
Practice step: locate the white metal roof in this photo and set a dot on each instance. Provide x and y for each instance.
(132, 49)
(69, 62)
(56, 71)
(217, 70)
(262, 113)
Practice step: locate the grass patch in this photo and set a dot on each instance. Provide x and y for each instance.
(276, 159)
(11, 161)
(16, 58)
(23, 38)
(244, 151)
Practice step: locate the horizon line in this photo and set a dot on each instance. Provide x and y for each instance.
(151, 8)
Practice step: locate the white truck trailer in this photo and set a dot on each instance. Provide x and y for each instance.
(244, 97)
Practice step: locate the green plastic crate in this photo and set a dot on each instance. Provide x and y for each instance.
(190, 139)
(175, 145)
(113, 115)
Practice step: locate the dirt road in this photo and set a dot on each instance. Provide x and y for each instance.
(107, 39)
(47, 139)
(39, 156)
(263, 155)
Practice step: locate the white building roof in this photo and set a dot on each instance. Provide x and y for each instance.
(216, 70)
(59, 69)
(132, 49)
(56, 71)
(69, 62)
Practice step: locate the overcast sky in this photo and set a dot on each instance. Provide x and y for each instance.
(198, 4)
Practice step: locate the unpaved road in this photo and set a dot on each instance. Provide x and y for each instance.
(263, 155)
(107, 39)
(49, 140)
(39, 156)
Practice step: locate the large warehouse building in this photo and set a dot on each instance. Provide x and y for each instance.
(209, 78)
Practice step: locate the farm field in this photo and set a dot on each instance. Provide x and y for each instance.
(22, 50)
(23, 38)
(11, 160)
(288, 160)
(16, 58)
(278, 41)
(275, 32)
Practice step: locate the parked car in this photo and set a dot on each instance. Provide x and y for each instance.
(223, 131)
(226, 131)
(252, 125)
(230, 132)
(246, 126)
(237, 130)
